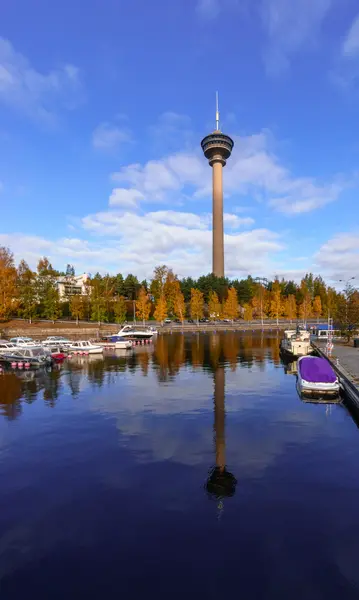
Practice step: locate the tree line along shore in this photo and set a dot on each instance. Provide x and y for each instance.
(114, 298)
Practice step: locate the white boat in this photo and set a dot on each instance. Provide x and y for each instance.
(136, 333)
(6, 347)
(317, 377)
(85, 347)
(120, 343)
(57, 340)
(35, 355)
(24, 342)
(296, 342)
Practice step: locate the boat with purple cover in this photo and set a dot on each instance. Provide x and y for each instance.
(316, 376)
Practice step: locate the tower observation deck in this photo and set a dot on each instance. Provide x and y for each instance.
(217, 148)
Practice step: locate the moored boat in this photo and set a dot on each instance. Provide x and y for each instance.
(56, 340)
(34, 356)
(24, 342)
(120, 342)
(85, 347)
(296, 343)
(317, 377)
(132, 332)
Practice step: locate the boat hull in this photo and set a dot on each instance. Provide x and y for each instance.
(313, 386)
(126, 345)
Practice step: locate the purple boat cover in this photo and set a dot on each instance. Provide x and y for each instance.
(316, 370)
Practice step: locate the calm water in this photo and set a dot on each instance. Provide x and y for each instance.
(186, 469)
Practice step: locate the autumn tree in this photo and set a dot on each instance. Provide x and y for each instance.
(214, 306)
(179, 305)
(27, 291)
(230, 308)
(348, 310)
(158, 281)
(143, 305)
(170, 288)
(120, 309)
(8, 280)
(248, 312)
(77, 307)
(161, 309)
(290, 307)
(305, 307)
(196, 304)
(317, 307)
(276, 304)
(332, 303)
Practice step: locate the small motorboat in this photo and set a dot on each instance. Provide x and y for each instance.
(24, 342)
(296, 343)
(56, 352)
(56, 340)
(84, 347)
(7, 347)
(132, 332)
(35, 356)
(317, 377)
(120, 342)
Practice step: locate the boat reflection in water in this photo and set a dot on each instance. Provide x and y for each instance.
(220, 482)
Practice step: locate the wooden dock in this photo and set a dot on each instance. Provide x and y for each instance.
(345, 361)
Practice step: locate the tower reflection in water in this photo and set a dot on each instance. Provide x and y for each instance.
(220, 482)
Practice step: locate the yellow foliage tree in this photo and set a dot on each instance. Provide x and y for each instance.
(305, 307)
(317, 307)
(196, 304)
(8, 288)
(143, 306)
(161, 309)
(170, 290)
(276, 304)
(77, 308)
(248, 312)
(214, 306)
(230, 308)
(179, 305)
(290, 307)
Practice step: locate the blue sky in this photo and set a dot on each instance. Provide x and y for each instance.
(102, 110)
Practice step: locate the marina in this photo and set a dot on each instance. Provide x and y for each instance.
(143, 454)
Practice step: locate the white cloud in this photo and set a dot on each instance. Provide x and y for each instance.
(351, 43)
(234, 222)
(33, 93)
(126, 198)
(136, 243)
(308, 197)
(291, 26)
(109, 137)
(253, 169)
(181, 240)
(339, 257)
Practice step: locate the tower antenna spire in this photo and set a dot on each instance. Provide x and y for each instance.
(217, 113)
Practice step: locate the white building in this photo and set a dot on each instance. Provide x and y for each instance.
(69, 286)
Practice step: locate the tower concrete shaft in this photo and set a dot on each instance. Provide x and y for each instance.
(217, 147)
(218, 231)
